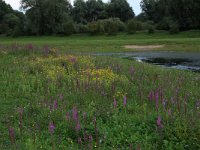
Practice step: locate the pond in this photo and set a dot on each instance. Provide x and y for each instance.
(170, 59)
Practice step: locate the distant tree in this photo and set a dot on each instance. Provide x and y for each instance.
(95, 10)
(4, 9)
(79, 11)
(46, 16)
(120, 9)
(184, 13)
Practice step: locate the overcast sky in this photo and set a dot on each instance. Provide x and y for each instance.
(134, 3)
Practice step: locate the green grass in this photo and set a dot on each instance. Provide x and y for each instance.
(184, 41)
(47, 86)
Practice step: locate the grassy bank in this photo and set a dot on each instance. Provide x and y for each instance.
(184, 41)
(52, 101)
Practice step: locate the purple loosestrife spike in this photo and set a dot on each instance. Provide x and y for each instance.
(159, 122)
(12, 135)
(75, 113)
(132, 71)
(150, 97)
(84, 115)
(51, 128)
(55, 105)
(79, 141)
(125, 101)
(78, 126)
(115, 103)
(169, 112)
(20, 119)
(157, 99)
(61, 97)
(68, 116)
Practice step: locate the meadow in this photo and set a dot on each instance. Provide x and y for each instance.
(53, 97)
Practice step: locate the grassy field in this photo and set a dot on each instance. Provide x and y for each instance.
(53, 100)
(184, 41)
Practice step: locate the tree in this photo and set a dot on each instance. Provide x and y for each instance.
(120, 9)
(79, 11)
(46, 16)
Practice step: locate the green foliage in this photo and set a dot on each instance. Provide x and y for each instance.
(132, 26)
(96, 27)
(174, 28)
(81, 28)
(69, 28)
(184, 12)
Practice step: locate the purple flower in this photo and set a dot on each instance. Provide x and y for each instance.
(55, 105)
(51, 128)
(73, 59)
(169, 112)
(115, 103)
(84, 115)
(159, 122)
(125, 101)
(79, 141)
(132, 71)
(150, 97)
(61, 97)
(156, 98)
(11, 135)
(78, 126)
(75, 113)
(68, 116)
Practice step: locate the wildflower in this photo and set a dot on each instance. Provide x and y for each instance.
(159, 122)
(75, 113)
(150, 97)
(131, 71)
(51, 128)
(73, 59)
(79, 141)
(20, 119)
(12, 135)
(115, 103)
(61, 97)
(156, 98)
(78, 126)
(68, 116)
(125, 101)
(55, 105)
(169, 112)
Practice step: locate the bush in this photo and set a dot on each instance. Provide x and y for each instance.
(174, 28)
(151, 29)
(80, 28)
(110, 26)
(68, 28)
(95, 28)
(131, 26)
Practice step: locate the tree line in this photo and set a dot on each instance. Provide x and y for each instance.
(59, 17)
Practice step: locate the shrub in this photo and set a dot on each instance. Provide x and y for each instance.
(110, 26)
(174, 28)
(151, 29)
(131, 26)
(95, 28)
(68, 28)
(80, 28)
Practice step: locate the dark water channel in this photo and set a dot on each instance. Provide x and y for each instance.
(180, 60)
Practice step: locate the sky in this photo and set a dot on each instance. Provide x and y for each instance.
(135, 4)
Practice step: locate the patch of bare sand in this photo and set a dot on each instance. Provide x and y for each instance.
(143, 47)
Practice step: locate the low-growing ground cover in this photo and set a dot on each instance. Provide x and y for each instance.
(51, 100)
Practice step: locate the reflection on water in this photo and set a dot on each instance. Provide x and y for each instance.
(179, 60)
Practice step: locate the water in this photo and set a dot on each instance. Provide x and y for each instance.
(169, 59)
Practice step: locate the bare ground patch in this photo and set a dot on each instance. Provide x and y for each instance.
(143, 47)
